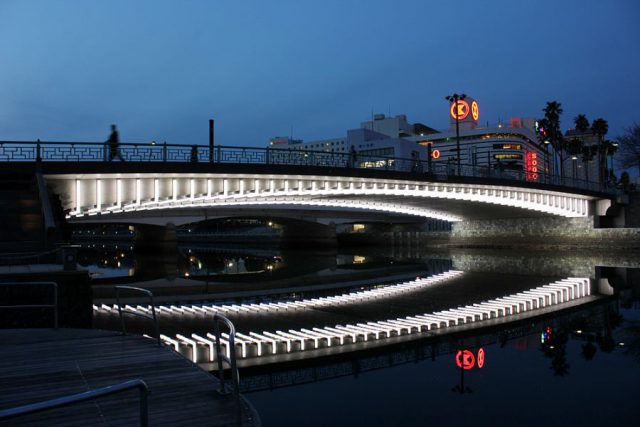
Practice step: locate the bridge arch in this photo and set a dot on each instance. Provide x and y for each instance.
(116, 197)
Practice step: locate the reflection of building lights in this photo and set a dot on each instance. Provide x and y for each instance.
(230, 264)
(118, 264)
(186, 274)
(358, 227)
(270, 224)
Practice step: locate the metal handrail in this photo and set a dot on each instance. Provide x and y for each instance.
(81, 397)
(16, 151)
(221, 357)
(54, 305)
(122, 311)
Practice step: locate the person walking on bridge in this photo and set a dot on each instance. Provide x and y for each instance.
(114, 144)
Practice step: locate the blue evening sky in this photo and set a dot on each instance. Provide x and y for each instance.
(161, 69)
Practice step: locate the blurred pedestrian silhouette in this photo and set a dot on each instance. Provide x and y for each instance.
(114, 144)
(353, 158)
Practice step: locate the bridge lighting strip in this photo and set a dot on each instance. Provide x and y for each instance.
(348, 298)
(562, 204)
(253, 345)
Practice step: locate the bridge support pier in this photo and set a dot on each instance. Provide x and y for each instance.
(155, 238)
(307, 234)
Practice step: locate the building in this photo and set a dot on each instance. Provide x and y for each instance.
(395, 144)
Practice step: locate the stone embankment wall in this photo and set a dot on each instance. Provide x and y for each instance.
(543, 233)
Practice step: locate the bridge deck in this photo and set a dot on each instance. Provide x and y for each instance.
(42, 364)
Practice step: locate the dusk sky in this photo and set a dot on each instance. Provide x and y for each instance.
(161, 69)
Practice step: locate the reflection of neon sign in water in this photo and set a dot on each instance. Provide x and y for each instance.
(465, 359)
(546, 334)
(480, 358)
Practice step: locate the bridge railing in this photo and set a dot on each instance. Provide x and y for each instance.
(28, 151)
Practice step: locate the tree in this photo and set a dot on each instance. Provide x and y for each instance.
(574, 148)
(600, 127)
(581, 122)
(629, 146)
(586, 151)
(552, 113)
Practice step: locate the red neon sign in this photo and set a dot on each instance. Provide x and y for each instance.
(531, 166)
(459, 109)
(480, 358)
(435, 154)
(465, 359)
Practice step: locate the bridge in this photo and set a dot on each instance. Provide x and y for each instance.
(179, 184)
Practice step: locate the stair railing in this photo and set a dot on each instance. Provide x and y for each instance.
(221, 357)
(53, 305)
(81, 397)
(122, 311)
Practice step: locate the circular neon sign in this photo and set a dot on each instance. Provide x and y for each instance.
(475, 112)
(435, 154)
(459, 109)
(480, 358)
(465, 359)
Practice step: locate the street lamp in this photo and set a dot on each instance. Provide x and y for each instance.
(455, 98)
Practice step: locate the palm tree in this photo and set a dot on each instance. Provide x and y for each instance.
(552, 113)
(600, 127)
(574, 148)
(588, 152)
(582, 126)
(581, 122)
(611, 148)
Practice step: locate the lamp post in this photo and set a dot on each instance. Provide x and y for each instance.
(455, 98)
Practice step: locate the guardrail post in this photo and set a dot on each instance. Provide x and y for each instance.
(38, 158)
(164, 151)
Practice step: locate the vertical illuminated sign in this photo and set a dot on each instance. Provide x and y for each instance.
(531, 166)
(475, 112)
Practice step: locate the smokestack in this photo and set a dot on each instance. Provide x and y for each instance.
(211, 140)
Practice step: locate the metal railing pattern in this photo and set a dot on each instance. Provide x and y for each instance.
(21, 151)
(81, 397)
(53, 305)
(122, 311)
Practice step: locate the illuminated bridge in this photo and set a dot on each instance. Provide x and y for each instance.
(178, 184)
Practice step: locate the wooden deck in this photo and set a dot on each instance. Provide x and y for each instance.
(42, 364)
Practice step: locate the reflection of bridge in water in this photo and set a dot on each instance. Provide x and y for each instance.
(271, 377)
(310, 340)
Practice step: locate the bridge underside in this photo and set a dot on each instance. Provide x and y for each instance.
(318, 212)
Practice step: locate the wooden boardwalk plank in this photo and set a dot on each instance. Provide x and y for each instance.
(42, 364)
